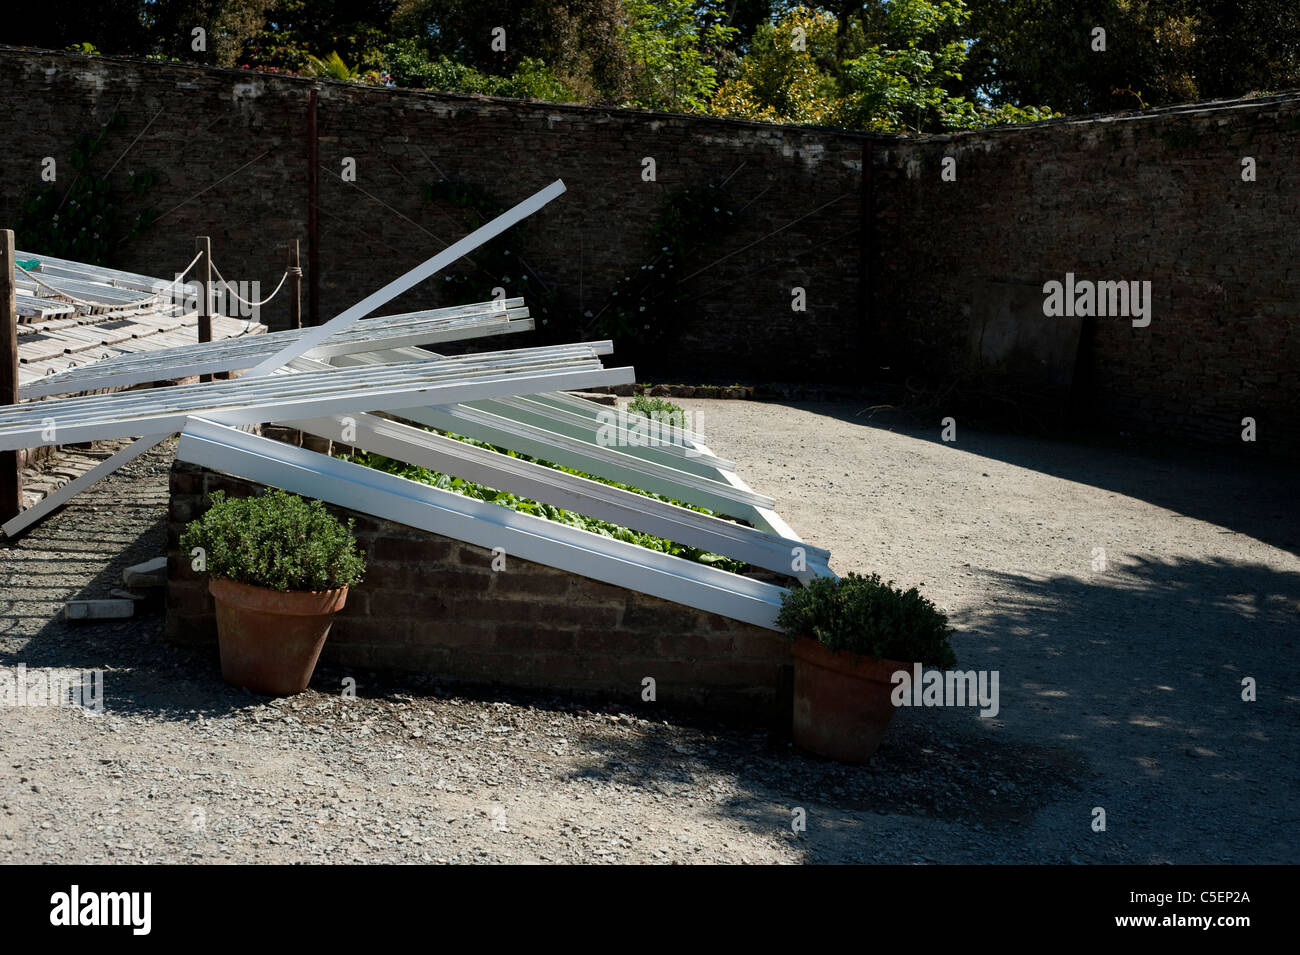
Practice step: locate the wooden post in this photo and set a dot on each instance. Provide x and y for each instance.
(295, 287)
(203, 270)
(313, 220)
(11, 473)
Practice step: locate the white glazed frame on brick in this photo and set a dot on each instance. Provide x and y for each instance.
(337, 374)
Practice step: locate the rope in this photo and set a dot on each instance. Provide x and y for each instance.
(197, 256)
(61, 294)
(233, 294)
(68, 296)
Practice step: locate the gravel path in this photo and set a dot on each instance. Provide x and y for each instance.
(1120, 689)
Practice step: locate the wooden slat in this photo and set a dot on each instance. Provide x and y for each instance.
(248, 400)
(184, 358)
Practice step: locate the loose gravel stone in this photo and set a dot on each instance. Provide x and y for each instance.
(1119, 689)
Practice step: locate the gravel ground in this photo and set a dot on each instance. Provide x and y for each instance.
(1120, 688)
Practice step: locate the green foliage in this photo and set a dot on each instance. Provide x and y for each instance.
(789, 74)
(228, 24)
(879, 64)
(1171, 51)
(85, 221)
(658, 409)
(868, 617)
(409, 66)
(89, 49)
(645, 312)
(905, 57)
(900, 84)
(580, 41)
(276, 540)
(294, 29)
(332, 67)
(481, 492)
(674, 46)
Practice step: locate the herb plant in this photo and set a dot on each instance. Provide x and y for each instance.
(276, 540)
(868, 617)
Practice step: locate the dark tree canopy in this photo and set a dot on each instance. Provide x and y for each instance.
(877, 64)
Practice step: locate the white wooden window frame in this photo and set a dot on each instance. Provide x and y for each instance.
(523, 536)
(416, 446)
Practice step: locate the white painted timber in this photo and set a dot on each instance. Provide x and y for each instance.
(437, 263)
(523, 536)
(630, 433)
(416, 446)
(609, 463)
(200, 358)
(339, 323)
(311, 394)
(93, 273)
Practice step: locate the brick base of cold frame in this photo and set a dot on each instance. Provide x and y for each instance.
(433, 605)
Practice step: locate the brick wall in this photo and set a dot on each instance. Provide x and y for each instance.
(218, 122)
(434, 605)
(1152, 196)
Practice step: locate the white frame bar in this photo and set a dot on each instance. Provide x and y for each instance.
(211, 445)
(403, 442)
(234, 354)
(310, 394)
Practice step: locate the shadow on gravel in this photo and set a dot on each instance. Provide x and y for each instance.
(1148, 659)
(1251, 495)
(947, 769)
(142, 673)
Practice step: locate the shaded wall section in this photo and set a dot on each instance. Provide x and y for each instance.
(1149, 197)
(232, 151)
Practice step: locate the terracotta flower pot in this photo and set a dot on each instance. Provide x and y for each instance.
(270, 639)
(841, 701)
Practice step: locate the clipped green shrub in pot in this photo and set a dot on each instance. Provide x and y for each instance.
(851, 635)
(279, 569)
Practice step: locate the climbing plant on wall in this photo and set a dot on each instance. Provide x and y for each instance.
(86, 220)
(647, 309)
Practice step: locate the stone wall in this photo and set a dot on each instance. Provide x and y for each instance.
(434, 605)
(1155, 196)
(232, 146)
(924, 278)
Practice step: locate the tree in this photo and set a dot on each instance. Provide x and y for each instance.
(295, 30)
(227, 24)
(580, 41)
(888, 69)
(674, 46)
(1157, 52)
(789, 74)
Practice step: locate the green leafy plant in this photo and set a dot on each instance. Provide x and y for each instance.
(333, 67)
(658, 409)
(481, 492)
(868, 617)
(409, 66)
(86, 221)
(674, 45)
(276, 540)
